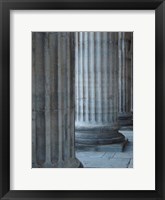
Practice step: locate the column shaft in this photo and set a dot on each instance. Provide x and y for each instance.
(53, 100)
(125, 78)
(97, 88)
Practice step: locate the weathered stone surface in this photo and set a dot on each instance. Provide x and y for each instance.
(53, 96)
(99, 137)
(109, 159)
(119, 147)
(109, 155)
(106, 163)
(125, 78)
(53, 100)
(125, 155)
(97, 88)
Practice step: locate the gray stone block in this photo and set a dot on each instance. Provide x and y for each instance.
(105, 163)
(123, 155)
(109, 155)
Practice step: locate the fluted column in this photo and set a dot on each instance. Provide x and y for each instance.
(53, 100)
(97, 88)
(125, 78)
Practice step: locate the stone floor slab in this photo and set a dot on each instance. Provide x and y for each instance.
(120, 163)
(106, 158)
(106, 163)
(123, 155)
(109, 155)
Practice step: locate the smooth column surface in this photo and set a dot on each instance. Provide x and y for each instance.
(97, 88)
(53, 100)
(125, 78)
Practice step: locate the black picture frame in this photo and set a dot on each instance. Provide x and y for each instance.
(5, 7)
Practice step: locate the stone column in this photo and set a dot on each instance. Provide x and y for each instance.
(125, 78)
(53, 100)
(97, 88)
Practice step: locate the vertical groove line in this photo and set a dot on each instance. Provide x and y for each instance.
(81, 78)
(86, 79)
(47, 100)
(116, 78)
(40, 105)
(56, 92)
(95, 76)
(121, 60)
(92, 75)
(77, 77)
(98, 78)
(108, 79)
(105, 88)
(65, 96)
(64, 92)
(60, 122)
(89, 79)
(72, 93)
(120, 77)
(111, 76)
(124, 71)
(68, 107)
(54, 98)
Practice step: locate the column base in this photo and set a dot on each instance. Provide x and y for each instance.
(72, 163)
(125, 119)
(98, 137)
(116, 147)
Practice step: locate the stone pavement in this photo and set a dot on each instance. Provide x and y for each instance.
(93, 159)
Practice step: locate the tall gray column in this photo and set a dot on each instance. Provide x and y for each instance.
(53, 100)
(125, 78)
(97, 88)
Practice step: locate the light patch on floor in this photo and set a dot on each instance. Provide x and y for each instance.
(93, 159)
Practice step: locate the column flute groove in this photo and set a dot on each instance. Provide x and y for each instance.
(92, 88)
(47, 100)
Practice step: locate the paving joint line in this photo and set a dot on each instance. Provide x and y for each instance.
(128, 163)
